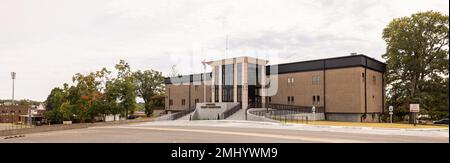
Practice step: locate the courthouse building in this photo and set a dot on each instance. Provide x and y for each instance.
(348, 88)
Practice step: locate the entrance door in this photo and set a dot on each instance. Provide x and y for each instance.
(254, 99)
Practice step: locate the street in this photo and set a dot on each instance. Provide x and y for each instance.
(227, 132)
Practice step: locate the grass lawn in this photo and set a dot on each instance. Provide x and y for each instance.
(379, 125)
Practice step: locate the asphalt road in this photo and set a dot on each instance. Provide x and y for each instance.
(155, 133)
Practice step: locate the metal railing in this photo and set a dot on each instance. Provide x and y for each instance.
(180, 114)
(231, 111)
(282, 115)
(285, 108)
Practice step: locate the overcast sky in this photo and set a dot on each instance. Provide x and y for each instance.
(47, 41)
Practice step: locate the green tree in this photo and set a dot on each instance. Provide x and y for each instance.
(54, 101)
(112, 94)
(149, 83)
(126, 86)
(66, 111)
(417, 63)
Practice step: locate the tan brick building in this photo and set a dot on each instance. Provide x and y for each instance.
(9, 114)
(349, 88)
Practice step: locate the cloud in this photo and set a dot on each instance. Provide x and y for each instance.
(46, 42)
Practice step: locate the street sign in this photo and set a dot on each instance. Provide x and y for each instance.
(414, 108)
(391, 108)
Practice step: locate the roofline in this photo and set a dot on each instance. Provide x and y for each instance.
(302, 62)
(324, 59)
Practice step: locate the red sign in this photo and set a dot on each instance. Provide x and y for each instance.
(414, 108)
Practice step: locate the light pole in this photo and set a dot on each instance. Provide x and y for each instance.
(13, 76)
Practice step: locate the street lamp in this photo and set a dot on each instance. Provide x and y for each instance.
(13, 76)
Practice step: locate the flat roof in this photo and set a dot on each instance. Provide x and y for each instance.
(329, 63)
(309, 65)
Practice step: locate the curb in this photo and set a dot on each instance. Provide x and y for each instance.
(379, 128)
(14, 136)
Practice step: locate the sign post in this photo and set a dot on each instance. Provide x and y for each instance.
(391, 109)
(414, 108)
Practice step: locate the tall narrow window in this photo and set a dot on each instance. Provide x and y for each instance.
(183, 102)
(290, 81)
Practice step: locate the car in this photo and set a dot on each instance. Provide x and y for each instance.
(442, 121)
(132, 117)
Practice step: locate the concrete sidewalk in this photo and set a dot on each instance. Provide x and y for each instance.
(302, 127)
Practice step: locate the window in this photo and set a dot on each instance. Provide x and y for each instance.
(269, 99)
(316, 80)
(183, 102)
(216, 75)
(290, 81)
(316, 99)
(239, 74)
(290, 99)
(170, 102)
(197, 100)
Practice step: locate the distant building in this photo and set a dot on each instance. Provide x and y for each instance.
(20, 114)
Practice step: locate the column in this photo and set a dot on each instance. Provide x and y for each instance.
(245, 84)
(220, 81)
(263, 85)
(235, 81)
(213, 83)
